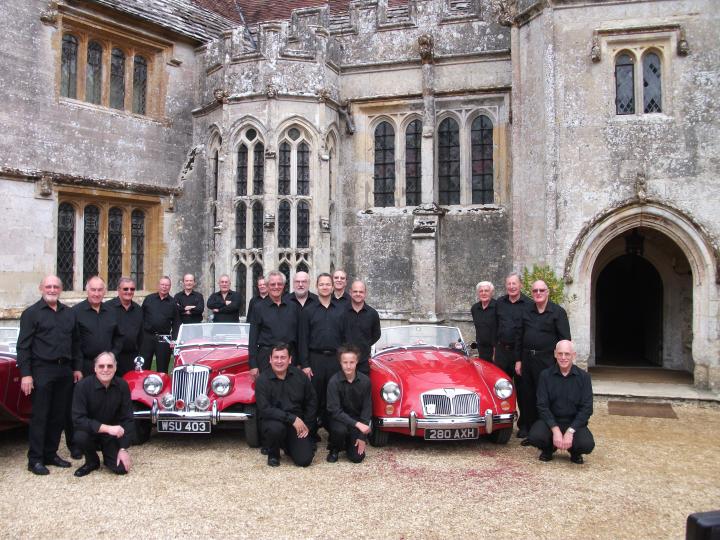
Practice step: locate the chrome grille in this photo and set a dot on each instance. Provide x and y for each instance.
(449, 402)
(189, 381)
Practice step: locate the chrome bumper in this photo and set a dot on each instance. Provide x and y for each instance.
(212, 414)
(413, 423)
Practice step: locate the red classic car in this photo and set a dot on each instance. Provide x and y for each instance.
(14, 405)
(210, 384)
(425, 384)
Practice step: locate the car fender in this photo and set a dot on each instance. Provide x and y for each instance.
(137, 392)
(243, 390)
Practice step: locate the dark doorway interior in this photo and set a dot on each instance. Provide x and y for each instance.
(629, 313)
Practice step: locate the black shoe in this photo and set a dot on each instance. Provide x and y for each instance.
(273, 461)
(264, 451)
(57, 461)
(544, 456)
(87, 469)
(76, 453)
(525, 442)
(332, 457)
(38, 468)
(577, 458)
(522, 433)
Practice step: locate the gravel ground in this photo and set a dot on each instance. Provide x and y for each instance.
(636, 484)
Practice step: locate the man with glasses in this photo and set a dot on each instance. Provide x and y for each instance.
(340, 294)
(543, 325)
(130, 321)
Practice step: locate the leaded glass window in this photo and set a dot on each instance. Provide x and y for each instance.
(115, 228)
(66, 245)
(624, 85)
(285, 269)
(93, 72)
(448, 162)
(68, 82)
(303, 225)
(242, 164)
(257, 272)
(413, 163)
(240, 285)
(140, 74)
(284, 224)
(91, 234)
(137, 248)
(302, 267)
(481, 140)
(652, 84)
(257, 225)
(240, 226)
(384, 172)
(216, 173)
(258, 168)
(117, 81)
(303, 169)
(284, 169)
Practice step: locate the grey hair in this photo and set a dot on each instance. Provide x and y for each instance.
(277, 273)
(485, 284)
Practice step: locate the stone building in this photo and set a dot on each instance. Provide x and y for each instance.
(421, 145)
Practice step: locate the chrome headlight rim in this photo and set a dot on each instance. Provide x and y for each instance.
(168, 401)
(202, 402)
(390, 392)
(221, 385)
(503, 388)
(153, 384)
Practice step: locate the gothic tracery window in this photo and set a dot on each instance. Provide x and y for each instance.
(652, 83)
(140, 77)
(284, 224)
(384, 166)
(303, 225)
(240, 226)
(68, 83)
(66, 245)
(137, 248)
(93, 79)
(481, 140)
(91, 249)
(448, 162)
(114, 256)
(624, 84)
(257, 225)
(117, 79)
(413, 163)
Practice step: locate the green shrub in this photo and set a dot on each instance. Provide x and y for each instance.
(554, 283)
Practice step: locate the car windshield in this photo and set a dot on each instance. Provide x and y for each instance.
(419, 335)
(8, 338)
(212, 334)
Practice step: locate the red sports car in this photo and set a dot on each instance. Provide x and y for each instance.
(210, 384)
(14, 405)
(424, 384)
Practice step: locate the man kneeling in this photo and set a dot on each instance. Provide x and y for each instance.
(103, 418)
(287, 408)
(349, 408)
(564, 403)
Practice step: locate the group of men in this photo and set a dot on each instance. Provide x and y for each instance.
(529, 339)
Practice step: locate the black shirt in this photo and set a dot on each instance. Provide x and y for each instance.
(320, 330)
(343, 300)
(311, 300)
(286, 399)
(160, 315)
(193, 299)
(349, 402)
(47, 335)
(565, 400)
(509, 318)
(361, 328)
(273, 323)
(94, 405)
(251, 305)
(130, 321)
(225, 312)
(98, 331)
(485, 321)
(542, 331)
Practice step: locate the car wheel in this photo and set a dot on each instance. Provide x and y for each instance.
(501, 436)
(252, 434)
(379, 437)
(142, 427)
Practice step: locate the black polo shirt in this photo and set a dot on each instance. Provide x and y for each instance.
(361, 328)
(98, 331)
(130, 321)
(343, 300)
(311, 300)
(225, 312)
(320, 330)
(160, 315)
(196, 299)
(273, 323)
(485, 321)
(286, 399)
(349, 402)
(94, 405)
(251, 305)
(542, 331)
(509, 318)
(566, 400)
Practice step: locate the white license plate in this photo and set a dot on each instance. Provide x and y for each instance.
(452, 434)
(183, 426)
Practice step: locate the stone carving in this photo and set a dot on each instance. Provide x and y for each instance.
(44, 186)
(425, 226)
(325, 224)
(425, 43)
(683, 49)
(323, 95)
(171, 204)
(429, 209)
(221, 95)
(270, 153)
(641, 187)
(50, 15)
(271, 91)
(595, 49)
(505, 11)
(346, 115)
(269, 221)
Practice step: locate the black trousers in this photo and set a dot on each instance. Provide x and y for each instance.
(90, 443)
(152, 345)
(540, 436)
(344, 438)
(323, 367)
(278, 435)
(532, 366)
(126, 362)
(52, 391)
(485, 352)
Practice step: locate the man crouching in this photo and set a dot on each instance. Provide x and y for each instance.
(102, 416)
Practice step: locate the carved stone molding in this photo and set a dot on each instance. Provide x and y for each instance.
(683, 48)
(641, 187)
(346, 115)
(323, 95)
(43, 187)
(49, 15)
(269, 221)
(425, 45)
(324, 224)
(429, 209)
(595, 49)
(425, 225)
(271, 91)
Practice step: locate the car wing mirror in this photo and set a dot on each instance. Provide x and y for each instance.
(139, 363)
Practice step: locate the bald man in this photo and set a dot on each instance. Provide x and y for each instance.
(360, 325)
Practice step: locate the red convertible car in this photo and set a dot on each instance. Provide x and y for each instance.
(14, 405)
(210, 384)
(425, 384)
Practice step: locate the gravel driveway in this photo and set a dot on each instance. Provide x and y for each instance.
(645, 476)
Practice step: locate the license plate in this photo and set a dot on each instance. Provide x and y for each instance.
(453, 434)
(183, 426)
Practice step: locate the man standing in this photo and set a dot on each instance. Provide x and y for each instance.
(103, 416)
(287, 408)
(130, 321)
(48, 366)
(262, 293)
(274, 321)
(190, 303)
(340, 295)
(349, 407)
(224, 304)
(565, 404)
(543, 325)
(160, 318)
(485, 320)
(301, 294)
(360, 325)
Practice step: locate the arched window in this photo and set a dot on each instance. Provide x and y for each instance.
(68, 83)
(481, 140)
(258, 168)
(384, 172)
(251, 157)
(652, 84)
(140, 74)
(66, 245)
(93, 73)
(302, 267)
(240, 284)
(137, 248)
(257, 225)
(624, 84)
(115, 230)
(117, 80)
(448, 162)
(413, 163)
(285, 269)
(257, 271)
(284, 169)
(284, 224)
(91, 232)
(242, 164)
(240, 226)
(303, 169)
(303, 225)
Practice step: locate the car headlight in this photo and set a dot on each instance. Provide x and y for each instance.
(390, 392)
(202, 402)
(221, 385)
(503, 388)
(168, 401)
(153, 384)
